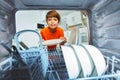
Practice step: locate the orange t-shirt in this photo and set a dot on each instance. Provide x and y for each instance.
(47, 35)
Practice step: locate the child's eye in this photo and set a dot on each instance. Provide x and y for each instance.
(55, 19)
(49, 19)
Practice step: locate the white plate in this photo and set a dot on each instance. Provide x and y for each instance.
(84, 60)
(52, 42)
(98, 59)
(71, 62)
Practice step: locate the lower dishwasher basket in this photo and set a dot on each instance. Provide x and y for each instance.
(57, 68)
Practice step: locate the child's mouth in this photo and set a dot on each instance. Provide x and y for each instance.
(52, 24)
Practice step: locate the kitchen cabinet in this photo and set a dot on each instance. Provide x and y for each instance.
(73, 18)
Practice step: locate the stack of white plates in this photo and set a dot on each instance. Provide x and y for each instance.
(98, 59)
(85, 59)
(71, 62)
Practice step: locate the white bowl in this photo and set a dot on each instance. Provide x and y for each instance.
(52, 42)
(84, 60)
(72, 65)
(98, 59)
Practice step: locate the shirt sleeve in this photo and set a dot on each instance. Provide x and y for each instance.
(61, 33)
(42, 34)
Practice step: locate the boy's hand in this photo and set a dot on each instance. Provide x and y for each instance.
(64, 40)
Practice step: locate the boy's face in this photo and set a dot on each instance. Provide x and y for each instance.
(52, 22)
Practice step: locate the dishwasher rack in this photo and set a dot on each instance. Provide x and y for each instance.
(112, 71)
(27, 64)
(30, 54)
(57, 68)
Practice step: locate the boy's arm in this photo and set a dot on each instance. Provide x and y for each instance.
(64, 40)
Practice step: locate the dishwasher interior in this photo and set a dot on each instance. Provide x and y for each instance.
(103, 30)
(39, 63)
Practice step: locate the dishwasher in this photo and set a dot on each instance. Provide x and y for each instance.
(69, 62)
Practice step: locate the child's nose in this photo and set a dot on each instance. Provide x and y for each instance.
(52, 21)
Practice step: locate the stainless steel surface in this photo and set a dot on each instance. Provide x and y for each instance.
(5, 63)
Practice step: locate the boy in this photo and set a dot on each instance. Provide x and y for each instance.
(53, 31)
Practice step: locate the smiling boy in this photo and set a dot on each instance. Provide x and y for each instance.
(52, 30)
